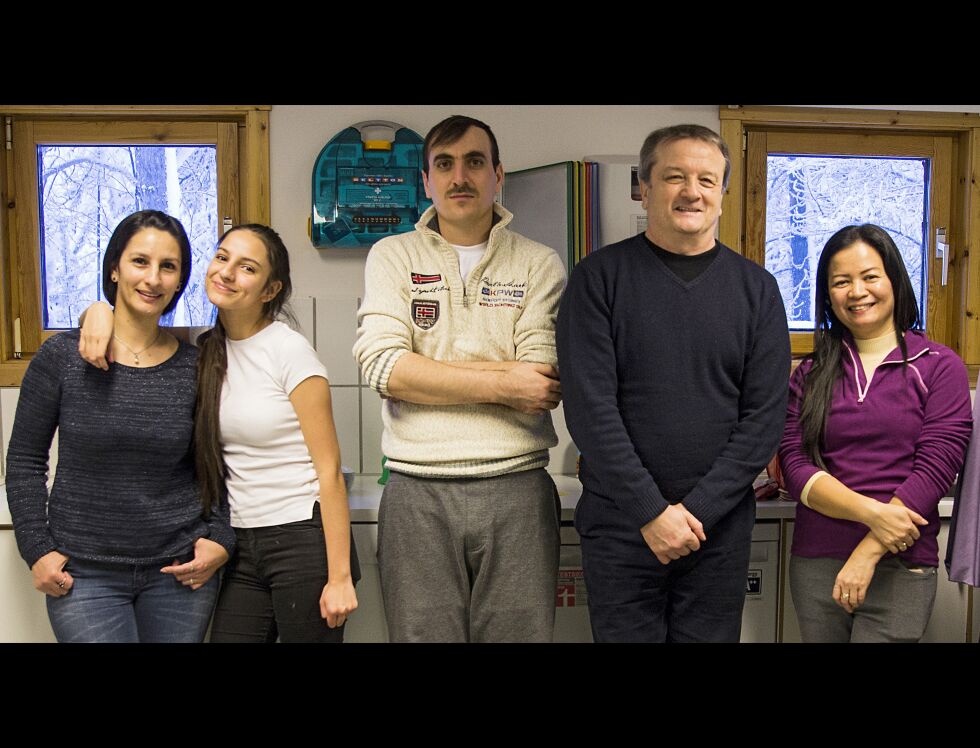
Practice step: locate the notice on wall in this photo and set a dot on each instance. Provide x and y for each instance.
(571, 589)
(638, 224)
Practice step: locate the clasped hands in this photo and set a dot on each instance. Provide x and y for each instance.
(673, 533)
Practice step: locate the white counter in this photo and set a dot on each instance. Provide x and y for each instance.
(365, 496)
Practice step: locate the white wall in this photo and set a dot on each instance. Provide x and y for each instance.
(527, 136)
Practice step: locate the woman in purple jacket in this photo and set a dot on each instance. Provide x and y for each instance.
(877, 426)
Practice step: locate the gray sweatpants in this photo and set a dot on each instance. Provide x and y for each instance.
(469, 560)
(896, 608)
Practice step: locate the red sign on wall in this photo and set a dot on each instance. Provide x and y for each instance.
(571, 588)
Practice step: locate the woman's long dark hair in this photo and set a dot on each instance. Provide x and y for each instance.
(212, 364)
(829, 330)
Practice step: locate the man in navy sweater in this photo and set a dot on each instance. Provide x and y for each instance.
(674, 360)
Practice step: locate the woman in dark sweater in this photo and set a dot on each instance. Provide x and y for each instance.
(122, 548)
(876, 428)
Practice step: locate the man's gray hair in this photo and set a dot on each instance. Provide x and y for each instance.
(681, 132)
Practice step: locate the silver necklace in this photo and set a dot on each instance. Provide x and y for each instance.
(136, 354)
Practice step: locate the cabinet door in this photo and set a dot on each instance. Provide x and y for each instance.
(949, 616)
(368, 622)
(789, 628)
(25, 617)
(759, 615)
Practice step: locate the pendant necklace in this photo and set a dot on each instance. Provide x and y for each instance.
(136, 354)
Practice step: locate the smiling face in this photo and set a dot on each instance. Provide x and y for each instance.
(682, 195)
(148, 274)
(462, 183)
(861, 294)
(238, 278)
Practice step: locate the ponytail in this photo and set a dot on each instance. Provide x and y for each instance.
(212, 364)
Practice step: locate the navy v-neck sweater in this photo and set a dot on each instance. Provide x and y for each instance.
(673, 391)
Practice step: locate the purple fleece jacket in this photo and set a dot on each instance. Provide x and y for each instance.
(903, 434)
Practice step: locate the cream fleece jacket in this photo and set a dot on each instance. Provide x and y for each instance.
(415, 301)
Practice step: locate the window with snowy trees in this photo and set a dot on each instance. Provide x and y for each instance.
(800, 174)
(69, 174)
(809, 198)
(84, 191)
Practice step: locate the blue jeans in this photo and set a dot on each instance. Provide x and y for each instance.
(272, 585)
(130, 603)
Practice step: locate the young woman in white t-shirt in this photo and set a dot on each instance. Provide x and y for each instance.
(265, 437)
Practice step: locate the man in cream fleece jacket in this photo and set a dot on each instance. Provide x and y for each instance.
(456, 332)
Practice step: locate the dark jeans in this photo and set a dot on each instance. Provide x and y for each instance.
(130, 603)
(272, 585)
(635, 598)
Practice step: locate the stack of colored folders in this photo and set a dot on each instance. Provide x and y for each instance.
(557, 205)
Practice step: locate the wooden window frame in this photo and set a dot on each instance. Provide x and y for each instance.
(20, 294)
(964, 321)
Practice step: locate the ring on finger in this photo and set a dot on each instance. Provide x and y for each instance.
(192, 580)
(61, 584)
(845, 596)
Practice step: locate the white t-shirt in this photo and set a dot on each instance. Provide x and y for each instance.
(271, 479)
(468, 258)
